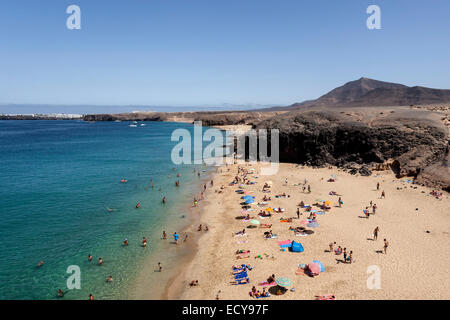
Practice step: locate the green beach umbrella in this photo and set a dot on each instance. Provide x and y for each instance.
(284, 282)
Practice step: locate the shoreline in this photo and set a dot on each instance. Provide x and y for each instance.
(179, 254)
(412, 247)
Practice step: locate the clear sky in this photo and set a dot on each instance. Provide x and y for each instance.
(210, 52)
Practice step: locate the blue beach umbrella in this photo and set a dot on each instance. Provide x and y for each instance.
(249, 201)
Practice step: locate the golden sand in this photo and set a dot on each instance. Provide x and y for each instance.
(416, 265)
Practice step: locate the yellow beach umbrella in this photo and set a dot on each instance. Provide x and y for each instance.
(269, 209)
(328, 203)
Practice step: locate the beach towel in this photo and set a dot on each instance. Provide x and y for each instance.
(267, 284)
(284, 242)
(326, 297)
(239, 257)
(241, 275)
(300, 272)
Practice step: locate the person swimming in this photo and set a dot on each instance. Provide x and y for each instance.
(144, 242)
(125, 242)
(138, 205)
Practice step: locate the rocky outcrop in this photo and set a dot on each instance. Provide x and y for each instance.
(317, 138)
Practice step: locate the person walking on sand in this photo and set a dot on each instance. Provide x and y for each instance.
(375, 233)
(309, 188)
(345, 255)
(159, 266)
(340, 202)
(298, 213)
(386, 245)
(374, 208)
(175, 238)
(378, 186)
(332, 246)
(185, 238)
(383, 195)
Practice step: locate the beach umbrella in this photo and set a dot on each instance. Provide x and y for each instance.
(247, 197)
(249, 201)
(328, 203)
(322, 267)
(269, 209)
(284, 282)
(253, 221)
(314, 268)
(312, 225)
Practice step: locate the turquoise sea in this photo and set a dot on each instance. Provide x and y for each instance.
(57, 180)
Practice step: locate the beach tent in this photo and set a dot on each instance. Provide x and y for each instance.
(297, 247)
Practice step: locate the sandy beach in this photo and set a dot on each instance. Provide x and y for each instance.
(415, 223)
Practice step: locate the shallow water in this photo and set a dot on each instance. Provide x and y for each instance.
(58, 178)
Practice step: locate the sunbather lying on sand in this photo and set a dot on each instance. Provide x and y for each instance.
(240, 233)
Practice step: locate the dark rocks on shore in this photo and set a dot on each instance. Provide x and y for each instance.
(416, 146)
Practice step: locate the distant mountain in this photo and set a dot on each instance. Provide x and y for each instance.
(369, 92)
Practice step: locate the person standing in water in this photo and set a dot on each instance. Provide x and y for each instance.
(144, 242)
(159, 266)
(100, 261)
(89, 257)
(164, 235)
(175, 237)
(164, 200)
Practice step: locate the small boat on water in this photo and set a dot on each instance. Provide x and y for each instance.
(133, 125)
(143, 124)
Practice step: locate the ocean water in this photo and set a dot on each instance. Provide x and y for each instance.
(57, 180)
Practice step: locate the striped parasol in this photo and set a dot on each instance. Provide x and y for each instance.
(284, 282)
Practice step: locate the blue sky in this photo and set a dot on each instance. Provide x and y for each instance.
(210, 52)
